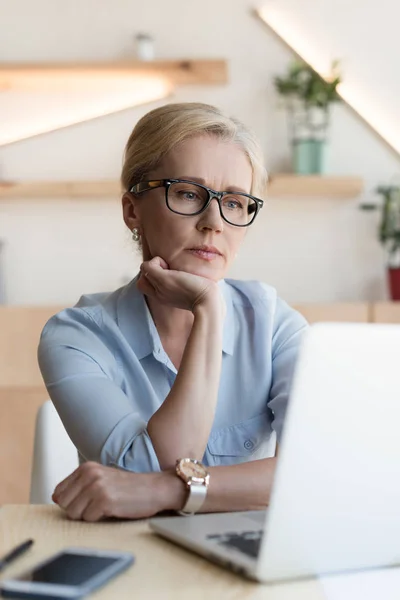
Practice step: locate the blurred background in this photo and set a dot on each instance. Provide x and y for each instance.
(312, 249)
(63, 132)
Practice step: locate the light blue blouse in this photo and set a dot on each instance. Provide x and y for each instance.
(107, 373)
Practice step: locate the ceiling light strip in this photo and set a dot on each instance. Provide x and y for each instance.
(304, 51)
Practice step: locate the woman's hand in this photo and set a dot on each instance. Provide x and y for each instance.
(176, 288)
(93, 492)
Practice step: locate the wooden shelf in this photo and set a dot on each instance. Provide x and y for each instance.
(46, 190)
(308, 186)
(75, 93)
(38, 76)
(291, 186)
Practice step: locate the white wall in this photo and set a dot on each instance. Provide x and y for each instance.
(311, 250)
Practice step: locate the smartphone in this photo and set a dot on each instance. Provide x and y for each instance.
(72, 573)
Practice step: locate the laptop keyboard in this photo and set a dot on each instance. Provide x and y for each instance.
(247, 542)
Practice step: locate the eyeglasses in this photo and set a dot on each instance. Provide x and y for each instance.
(190, 198)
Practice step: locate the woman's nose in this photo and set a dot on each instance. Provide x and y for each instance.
(211, 217)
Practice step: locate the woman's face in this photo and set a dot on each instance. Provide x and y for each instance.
(221, 166)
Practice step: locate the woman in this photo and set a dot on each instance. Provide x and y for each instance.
(180, 363)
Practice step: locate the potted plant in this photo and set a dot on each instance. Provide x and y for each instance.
(307, 98)
(389, 233)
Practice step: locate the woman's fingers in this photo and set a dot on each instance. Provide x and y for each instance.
(157, 261)
(175, 288)
(66, 482)
(145, 286)
(153, 270)
(66, 491)
(86, 487)
(93, 511)
(68, 495)
(79, 504)
(154, 266)
(102, 491)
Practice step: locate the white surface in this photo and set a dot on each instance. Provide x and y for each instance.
(54, 455)
(384, 584)
(336, 496)
(311, 250)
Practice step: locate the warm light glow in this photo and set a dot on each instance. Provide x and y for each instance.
(294, 38)
(355, 98)
(30, 113)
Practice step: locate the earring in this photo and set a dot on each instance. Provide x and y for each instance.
(135, 234)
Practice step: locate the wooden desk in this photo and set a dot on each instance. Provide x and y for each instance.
(164, 571)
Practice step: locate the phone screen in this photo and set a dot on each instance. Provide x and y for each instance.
(69, 569)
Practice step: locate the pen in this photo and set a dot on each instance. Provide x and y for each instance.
(15, 553)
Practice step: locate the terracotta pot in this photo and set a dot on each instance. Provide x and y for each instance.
(394, 283)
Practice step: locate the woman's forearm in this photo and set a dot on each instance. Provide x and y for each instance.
(245, 486)
(182, 425)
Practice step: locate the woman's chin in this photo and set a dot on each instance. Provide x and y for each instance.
(204, 269)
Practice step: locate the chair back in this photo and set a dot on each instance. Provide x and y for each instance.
(54, 455)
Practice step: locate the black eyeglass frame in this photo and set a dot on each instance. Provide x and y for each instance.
(145, 186)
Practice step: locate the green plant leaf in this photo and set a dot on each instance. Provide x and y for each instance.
(302, 82)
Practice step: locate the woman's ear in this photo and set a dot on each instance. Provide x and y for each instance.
(130, 210)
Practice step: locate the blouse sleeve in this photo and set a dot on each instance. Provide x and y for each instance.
(288, 331)
(80, 373)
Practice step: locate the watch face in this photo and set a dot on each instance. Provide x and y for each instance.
(192, 469)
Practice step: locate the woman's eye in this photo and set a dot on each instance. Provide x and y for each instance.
(189, 195)
(233, 204)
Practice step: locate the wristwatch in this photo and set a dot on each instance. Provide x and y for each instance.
(197, 480)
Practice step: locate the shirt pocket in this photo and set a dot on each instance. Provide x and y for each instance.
(249, 440)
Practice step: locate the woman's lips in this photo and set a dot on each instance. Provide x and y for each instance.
(208, 255)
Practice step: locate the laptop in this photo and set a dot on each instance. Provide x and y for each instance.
(335, 503)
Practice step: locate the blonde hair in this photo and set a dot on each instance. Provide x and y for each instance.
(163, 128)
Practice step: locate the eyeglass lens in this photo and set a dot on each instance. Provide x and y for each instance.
(189, 199)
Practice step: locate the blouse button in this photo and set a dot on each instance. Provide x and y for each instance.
(249, 445)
